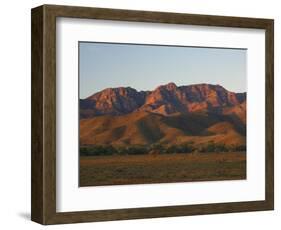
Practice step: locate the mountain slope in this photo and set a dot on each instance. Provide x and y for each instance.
(167, 115)
(144, 128)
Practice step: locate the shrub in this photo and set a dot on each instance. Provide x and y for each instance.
(239, 148)
(97, 150)
(136, 150)
(156, 148)
(183, 148)
(213, 147)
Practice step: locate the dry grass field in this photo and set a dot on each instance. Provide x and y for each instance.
(161, 168)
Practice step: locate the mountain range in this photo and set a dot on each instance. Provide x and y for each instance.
(170, 114)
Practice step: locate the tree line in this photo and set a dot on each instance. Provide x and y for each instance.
(107, 150)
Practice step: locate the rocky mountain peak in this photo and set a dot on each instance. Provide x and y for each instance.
(165, 99)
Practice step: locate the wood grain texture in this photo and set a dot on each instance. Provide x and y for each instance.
(37, 116)
(44, 114)
(269, 116)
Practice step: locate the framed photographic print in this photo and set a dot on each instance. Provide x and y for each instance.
(140, 114)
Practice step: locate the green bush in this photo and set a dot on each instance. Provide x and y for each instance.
(183, 148)
(214, 148)
(136, 150)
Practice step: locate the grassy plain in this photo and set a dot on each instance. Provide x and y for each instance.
(161, 168)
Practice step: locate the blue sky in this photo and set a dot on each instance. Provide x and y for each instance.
(144, 67)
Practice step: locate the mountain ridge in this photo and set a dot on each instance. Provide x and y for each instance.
(165, 99)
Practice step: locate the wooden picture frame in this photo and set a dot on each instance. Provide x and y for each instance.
(43, 208)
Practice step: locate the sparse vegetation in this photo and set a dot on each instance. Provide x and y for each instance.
(161, 168)
(157, 148)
